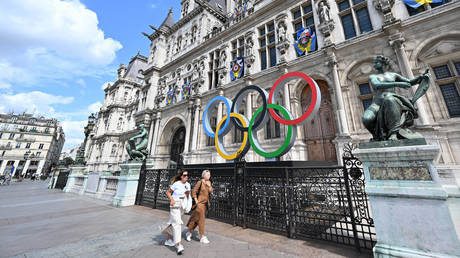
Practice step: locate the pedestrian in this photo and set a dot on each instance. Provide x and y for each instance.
(179, 201)
(200, 194)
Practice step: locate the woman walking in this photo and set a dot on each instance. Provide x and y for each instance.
(200, 194)
(178, 193)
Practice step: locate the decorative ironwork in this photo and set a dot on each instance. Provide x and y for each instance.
(300, 201)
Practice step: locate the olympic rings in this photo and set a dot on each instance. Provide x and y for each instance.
(207, 125)
(242, 95)
(288, 141)
(259, 118)
(312, 108)
(218, 141)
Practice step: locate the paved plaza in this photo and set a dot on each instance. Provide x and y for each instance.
(38, 222)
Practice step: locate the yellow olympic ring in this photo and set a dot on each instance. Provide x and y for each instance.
(244, 144)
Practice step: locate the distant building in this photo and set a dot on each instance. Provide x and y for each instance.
(29, 144)
(72, 153)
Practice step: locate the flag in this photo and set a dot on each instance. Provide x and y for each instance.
(306, 41)
(237, 68)
(417, 3)
(186, 89)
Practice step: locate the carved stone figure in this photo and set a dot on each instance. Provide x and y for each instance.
(390, 114)
(323, 11)
(137, 145)
(281, 32)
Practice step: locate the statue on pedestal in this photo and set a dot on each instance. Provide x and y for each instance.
(137, 145)
(390, 114)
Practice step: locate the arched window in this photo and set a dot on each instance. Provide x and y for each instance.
(447, 77)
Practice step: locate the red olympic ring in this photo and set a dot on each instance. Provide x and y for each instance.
(310, 108)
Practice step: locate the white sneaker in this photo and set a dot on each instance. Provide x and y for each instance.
(180, 249)
(188, 236)
(169, 242)
(204, 240)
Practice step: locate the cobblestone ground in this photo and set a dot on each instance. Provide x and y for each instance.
(38, 222)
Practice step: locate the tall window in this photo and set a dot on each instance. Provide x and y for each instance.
(11, 136)
(267, 48)
(213, 73)
(40, 146)
(238, 134)
(238, 48)
(273, 128)
(302, 17)
(18, 145)
(447, 76)
(365, 94)
(209, 140)
(28, 145)
(422, 8)
(355, 17)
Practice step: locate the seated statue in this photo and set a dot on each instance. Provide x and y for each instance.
(137, 145)
(390, 114)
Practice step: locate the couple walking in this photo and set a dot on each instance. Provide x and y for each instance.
(180, 201)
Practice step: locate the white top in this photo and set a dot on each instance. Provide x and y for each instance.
(179, 189)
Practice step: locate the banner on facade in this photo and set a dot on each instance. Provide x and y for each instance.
(306, 41)
(417, 3)
(186, 90)
(237, 68)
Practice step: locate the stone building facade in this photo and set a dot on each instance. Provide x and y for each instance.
(29, 144)
(189, 63)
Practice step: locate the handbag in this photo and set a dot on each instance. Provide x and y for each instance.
(194, 204)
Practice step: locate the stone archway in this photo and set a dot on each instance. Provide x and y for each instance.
(320, 132)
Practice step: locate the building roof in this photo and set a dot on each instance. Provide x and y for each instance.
(169, 20)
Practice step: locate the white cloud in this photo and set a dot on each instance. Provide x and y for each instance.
(33, 102)
(46, 104)
(73, 132)
(51, 40)
(93, 108)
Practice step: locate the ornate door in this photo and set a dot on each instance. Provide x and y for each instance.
(177, 144)
(320, 131)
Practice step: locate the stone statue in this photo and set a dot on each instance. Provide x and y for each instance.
(281, 32)
(390, 114)
(323, 11)
(137, 145)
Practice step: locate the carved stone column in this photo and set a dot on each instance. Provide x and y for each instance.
(397, 42)
(155, 134)
(340, 113)
(196, 107)
(188, 126)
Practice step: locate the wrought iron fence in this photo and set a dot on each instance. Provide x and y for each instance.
(294, 199)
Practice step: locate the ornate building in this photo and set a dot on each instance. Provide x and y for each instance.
(29, 144)
(190, 63)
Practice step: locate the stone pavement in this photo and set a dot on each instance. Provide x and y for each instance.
(38, 222)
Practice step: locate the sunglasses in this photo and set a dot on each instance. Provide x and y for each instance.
(185, 175)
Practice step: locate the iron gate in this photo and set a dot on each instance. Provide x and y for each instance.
(297, 199)
(61, 180)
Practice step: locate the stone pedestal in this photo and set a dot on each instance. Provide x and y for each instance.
(75, 171)
(127, 184)
(409, 205)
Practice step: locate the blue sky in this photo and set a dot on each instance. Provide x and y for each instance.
(55, 56)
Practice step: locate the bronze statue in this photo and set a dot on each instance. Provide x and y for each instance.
(390, 114)
(137, 145)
